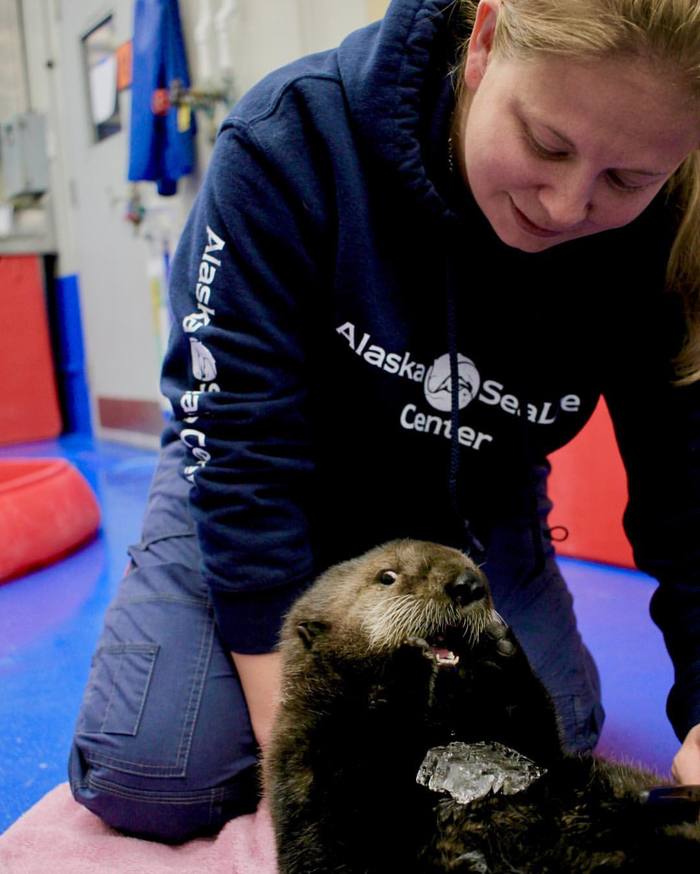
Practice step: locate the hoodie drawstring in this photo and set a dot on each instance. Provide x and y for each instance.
(473, 546)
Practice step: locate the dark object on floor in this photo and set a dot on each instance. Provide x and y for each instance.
(400, 651)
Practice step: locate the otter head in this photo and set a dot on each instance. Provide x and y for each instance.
(401, 591)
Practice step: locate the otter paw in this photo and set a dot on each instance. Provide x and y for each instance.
(410, 672)
(499, 641)
(417, 650)
(496, 630)
(420, 645)
(506, 647)
(498, 654)
(414, 654)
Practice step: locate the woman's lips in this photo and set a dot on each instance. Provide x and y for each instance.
(528, 226)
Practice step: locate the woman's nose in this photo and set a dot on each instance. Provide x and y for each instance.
(567, 201)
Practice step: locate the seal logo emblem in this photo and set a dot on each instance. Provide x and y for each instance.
(438, 382)
(203, 362)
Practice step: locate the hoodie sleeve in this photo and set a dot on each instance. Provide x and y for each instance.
(657, 426)
(236, 376)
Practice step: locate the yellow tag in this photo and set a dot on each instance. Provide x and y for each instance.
(184, 118)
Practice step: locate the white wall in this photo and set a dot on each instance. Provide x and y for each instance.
(88, 179)
(13, 85)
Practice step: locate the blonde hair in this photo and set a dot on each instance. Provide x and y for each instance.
(663, 32)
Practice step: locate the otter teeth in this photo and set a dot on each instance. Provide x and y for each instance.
(445, 657)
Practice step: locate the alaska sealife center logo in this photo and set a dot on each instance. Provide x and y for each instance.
(438, 382)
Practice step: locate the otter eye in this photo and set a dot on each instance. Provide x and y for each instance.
(386, 578)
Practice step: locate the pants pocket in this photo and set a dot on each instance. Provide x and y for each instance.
(148, 678)
(117, 688)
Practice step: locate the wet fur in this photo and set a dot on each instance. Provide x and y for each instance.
(364, 699)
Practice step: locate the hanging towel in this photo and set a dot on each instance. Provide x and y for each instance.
(161, 146)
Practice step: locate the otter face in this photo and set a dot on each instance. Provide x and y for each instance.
(408, 589)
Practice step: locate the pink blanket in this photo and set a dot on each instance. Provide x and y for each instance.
(59, 835)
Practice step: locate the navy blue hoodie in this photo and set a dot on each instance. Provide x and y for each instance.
(357, 357)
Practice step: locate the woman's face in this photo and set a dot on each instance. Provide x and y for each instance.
(555, 149)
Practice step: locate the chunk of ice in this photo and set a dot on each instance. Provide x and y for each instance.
(471, 771)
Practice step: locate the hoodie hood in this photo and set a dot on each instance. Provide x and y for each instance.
(400, 91)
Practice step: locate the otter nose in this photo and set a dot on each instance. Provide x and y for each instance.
(466, 589)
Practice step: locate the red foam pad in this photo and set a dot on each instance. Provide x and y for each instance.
(588, 486)
(30, 408)
(47, 509)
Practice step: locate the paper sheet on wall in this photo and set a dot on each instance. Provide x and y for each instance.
(103, 89)
(6, 219)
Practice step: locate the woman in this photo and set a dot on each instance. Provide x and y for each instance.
(411, 271)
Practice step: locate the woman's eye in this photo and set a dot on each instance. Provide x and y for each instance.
(386, 578)
(619, 183)
(542, 151)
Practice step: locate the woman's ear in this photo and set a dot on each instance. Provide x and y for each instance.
(481, 43)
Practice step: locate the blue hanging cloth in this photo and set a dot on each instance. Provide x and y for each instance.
(161, 145)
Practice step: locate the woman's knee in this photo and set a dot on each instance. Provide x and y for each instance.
(156, 809)
(164, 754)
(163, 744)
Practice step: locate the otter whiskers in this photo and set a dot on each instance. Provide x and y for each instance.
(392, 622)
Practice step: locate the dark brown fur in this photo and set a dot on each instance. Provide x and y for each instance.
(365, 696)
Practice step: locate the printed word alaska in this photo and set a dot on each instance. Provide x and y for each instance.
(205, 279)
(392, 362)
(203, 362)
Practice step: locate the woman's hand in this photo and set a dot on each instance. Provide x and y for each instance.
(686, 764)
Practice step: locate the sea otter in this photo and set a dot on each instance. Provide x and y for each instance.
(400, 651)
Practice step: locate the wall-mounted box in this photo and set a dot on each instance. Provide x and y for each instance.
(23, 155)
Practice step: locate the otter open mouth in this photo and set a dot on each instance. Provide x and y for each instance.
(443, 650)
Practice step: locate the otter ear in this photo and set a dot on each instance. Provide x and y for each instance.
(309, 631)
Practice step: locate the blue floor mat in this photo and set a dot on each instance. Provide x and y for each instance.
(50, 621)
